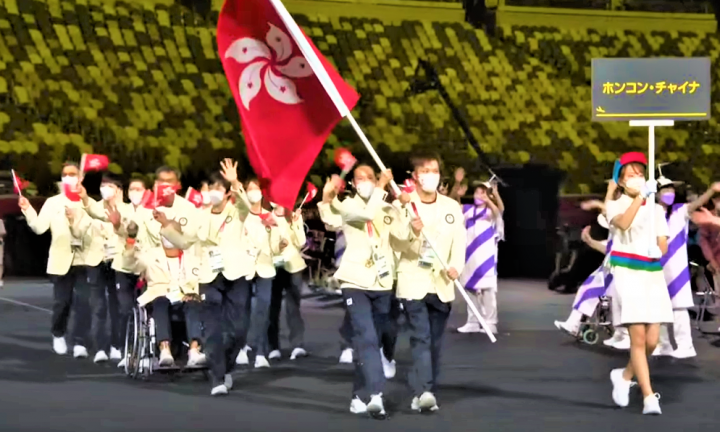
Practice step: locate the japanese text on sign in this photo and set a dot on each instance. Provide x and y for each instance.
(659, 88)
(651, 88)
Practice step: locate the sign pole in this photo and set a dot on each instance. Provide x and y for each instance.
(654, 249)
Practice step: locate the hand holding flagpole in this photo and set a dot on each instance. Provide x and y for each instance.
(332, 92)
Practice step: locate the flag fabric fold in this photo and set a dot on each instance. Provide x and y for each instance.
(285, 112)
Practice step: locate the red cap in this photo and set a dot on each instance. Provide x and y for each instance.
(633, 157)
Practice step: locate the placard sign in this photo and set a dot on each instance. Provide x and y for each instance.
(625, 89)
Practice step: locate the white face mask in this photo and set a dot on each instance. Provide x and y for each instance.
(135, 197)
(429, 182)
(107, 192)
(70, 181)
(365, 189)
(635, 183)
(206, 198)
(254, 196)
(215, 197)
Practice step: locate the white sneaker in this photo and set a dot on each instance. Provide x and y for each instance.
(621, 387)
(196, 358)
(663, 351)
(298, 352)
(115, 354)
(426, 402)
(219, 390)
(470, 328)
(166, 358)
(683, 353)
(242, 357)
(389, 368)
(59, 345)
(80, 351)
(122, 363)
(228, 381)
(100, 357)
(346, 357)
(375, 407)
(569, 329)
(610, 342)
(261, 362)
(623, 344)
(274, 355)
(357, 406)
(651, 404)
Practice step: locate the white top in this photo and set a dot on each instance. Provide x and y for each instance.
(636, 239)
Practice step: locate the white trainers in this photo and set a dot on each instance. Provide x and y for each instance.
(621, 387)
(115, 354)
(651, 404)
(59, 345)
(219, 390)
(389, 368)
(375, 407)
(470, 328)
(357, 406)
(242, 357)
(80, 351)
(346, 357)
(122, 363)
(426, 402)
(569, 329)
(298, 352)
(683, 353)
(228, 381)
(274, 355)
(166, 358)
(100, 357)
(663, 351)
(261, 362)
(196, 358)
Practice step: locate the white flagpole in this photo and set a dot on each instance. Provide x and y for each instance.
(304, 199)
(15, 182)
(322, 75)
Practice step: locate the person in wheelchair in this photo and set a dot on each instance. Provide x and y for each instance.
(171, 287)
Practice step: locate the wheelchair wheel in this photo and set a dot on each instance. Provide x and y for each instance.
(590, 337)
(145, 342)
(132, 345)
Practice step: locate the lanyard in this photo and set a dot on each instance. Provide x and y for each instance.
(369, 229)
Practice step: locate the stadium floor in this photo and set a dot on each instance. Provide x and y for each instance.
(534, 378)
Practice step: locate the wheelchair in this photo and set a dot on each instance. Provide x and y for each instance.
(708, 297)
(141, 346)
(600, 321)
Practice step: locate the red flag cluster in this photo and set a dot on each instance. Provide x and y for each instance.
(285, 111)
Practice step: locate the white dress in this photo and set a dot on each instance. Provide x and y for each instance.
(640, 292)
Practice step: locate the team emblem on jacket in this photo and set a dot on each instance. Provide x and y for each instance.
(195, 271)
(267, 228)
(450, 218)
(387, 220)
(228, 219)
(182, 221)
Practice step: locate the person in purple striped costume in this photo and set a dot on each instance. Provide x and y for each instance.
(676, 268)
(483, 222)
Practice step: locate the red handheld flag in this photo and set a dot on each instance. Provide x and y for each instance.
(148, 200)
(344, 160)
(18, 183)
(163, 192)
(70, 194)
(94, 162)
(285, 111)
(312, 191)
(408, 186)
(194, 197)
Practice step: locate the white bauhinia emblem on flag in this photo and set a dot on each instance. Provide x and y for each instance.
(94, 164)
(270, 68)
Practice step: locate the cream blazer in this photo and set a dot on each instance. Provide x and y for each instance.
(443, 221)
(256, 240)
(224, 231)
(183, 212)
(294, 233)
(52, 217)
(94, 234)
(388, 229)
(153, 263)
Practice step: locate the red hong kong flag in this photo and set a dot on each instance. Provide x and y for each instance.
(18, 183)
(312, 191)
(70, 193)
(288, 95)
(163, 192)
(408, 186)
(94, 162)
(345, 160)
(148, 200)
(194, 197)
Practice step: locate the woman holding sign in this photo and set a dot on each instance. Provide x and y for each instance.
(640, 289)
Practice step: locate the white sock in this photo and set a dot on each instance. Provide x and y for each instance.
(574, 319)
